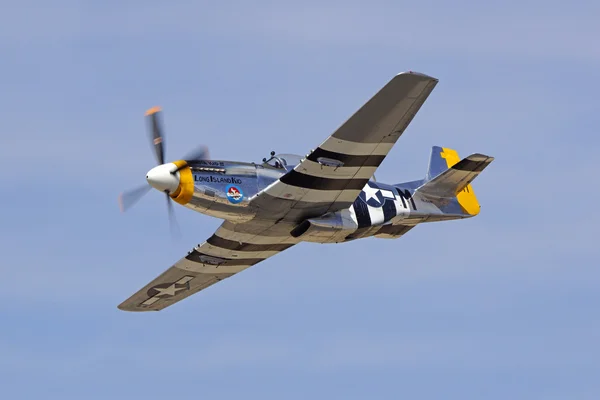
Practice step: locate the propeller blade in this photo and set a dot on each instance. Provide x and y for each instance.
(129, 198)
(199, 153)
(172, 219)
(157, 134)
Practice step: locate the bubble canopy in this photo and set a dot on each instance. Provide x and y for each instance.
(284, 161)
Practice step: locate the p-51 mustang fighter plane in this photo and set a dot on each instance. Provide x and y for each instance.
(327, 196)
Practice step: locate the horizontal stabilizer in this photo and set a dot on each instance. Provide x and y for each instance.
(456, 178)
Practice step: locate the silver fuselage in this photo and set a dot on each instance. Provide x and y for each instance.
(225, 189)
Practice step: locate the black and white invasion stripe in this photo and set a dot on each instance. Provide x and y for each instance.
(367, 215)
(340, 167)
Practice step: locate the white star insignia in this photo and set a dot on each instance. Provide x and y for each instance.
(370, 193)
(169, 291)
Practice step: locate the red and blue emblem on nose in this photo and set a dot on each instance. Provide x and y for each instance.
(234, 194)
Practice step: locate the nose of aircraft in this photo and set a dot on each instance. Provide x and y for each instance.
(162, 179)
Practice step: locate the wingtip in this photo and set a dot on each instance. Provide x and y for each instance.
(480, 157)
(153, 110)
(125, 306)
(129, 308)
(419, 74)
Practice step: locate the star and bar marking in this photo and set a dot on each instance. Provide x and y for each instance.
(165, 290)
(374, 196)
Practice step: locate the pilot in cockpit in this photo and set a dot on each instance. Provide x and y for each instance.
(282, 161)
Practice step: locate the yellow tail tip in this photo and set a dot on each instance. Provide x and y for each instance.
(153, 110)
(466, 197)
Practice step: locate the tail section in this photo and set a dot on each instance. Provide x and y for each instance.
(448, 176)
(438, 161)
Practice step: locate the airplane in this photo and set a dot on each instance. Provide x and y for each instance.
(329, 195)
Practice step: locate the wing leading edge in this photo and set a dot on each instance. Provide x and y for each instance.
(332, 176)
(231, 249)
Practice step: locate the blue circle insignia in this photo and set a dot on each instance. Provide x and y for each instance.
(234, 194)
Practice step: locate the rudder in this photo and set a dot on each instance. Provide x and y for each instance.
(449, 176)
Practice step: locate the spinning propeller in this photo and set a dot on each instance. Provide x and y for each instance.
(163, 177)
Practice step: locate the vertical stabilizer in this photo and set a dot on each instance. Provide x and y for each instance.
(437, 164)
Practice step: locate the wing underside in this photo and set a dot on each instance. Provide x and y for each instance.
(329, 179)
(231, 249)
(332, 176)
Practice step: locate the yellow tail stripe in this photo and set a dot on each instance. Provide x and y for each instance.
(466, 197)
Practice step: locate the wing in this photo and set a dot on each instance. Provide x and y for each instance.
(232, 249)
(332, 176)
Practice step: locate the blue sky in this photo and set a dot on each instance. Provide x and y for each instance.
(504, 305)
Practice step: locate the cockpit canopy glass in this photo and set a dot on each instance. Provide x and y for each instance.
(284, 161)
